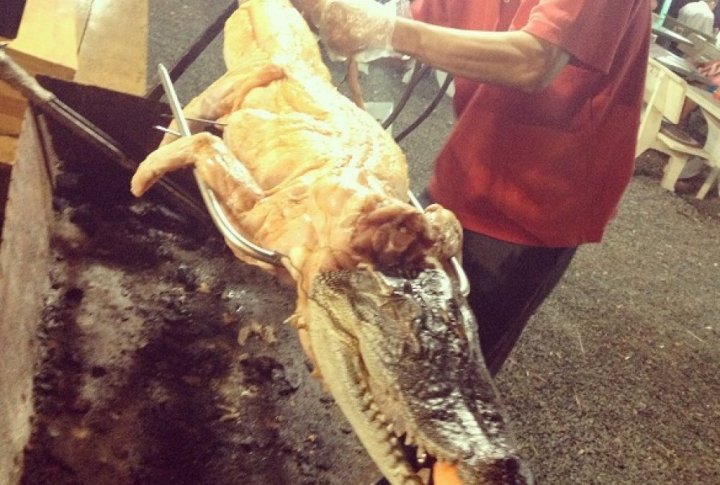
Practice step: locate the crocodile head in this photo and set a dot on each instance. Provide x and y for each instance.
(401, 357)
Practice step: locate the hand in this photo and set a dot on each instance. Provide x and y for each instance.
(348, 27)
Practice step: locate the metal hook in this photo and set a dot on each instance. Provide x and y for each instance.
(216, 210)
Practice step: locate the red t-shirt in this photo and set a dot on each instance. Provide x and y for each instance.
(548, 168)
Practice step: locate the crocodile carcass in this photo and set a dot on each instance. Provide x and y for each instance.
(302, 171)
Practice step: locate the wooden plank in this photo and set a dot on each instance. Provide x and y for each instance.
(80, 40)
(24, 267)
(12, 102)
(107, 58)
(46, 42)
(8, 148)
(82, 16)
(705, 99)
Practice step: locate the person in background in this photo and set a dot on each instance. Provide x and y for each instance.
(699, 16)
(675, 6)
(547, 100)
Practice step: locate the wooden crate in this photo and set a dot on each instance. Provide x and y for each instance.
(105, 57)
(46, 43)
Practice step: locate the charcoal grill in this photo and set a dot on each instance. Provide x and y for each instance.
(120, 323)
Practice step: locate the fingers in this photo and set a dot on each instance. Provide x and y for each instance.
(351, 26)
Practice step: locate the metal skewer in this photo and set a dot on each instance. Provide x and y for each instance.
(216, 210)
(199, 120)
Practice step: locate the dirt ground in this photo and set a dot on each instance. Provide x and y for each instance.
(617, 378)
(167, 361)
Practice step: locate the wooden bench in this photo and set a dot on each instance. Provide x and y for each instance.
(665, 94)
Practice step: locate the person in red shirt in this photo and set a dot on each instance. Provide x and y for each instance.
(548, 96)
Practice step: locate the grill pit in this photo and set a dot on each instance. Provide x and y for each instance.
(160, 358)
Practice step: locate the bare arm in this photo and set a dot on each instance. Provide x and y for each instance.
(515, 58)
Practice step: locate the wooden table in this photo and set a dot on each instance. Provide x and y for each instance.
(711, 110)
(670, 36)
(679, 65)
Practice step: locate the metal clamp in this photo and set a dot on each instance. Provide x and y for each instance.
(463, 282)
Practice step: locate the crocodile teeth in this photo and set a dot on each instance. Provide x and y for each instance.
(367, 402)
(421, 456)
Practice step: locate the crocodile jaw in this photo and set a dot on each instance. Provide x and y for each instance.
(401, 357)
(343, 375)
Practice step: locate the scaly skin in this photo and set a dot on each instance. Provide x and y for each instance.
(400, 355)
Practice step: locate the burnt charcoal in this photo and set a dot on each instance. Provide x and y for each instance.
(190, 242)
(187, 277)
(162, 217)
(257, 437)
(81, 405)
(116, 214)
(215, 245)
(74, 296)
(98, 371)
(285, 382)
(259, 369)
(60, 204)
(66, 183)
(85, 217)
(173, 316)
(48, 469)
(133, 251)
(208, 363)
(140, 377)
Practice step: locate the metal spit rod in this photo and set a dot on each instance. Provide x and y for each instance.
(216, 210)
